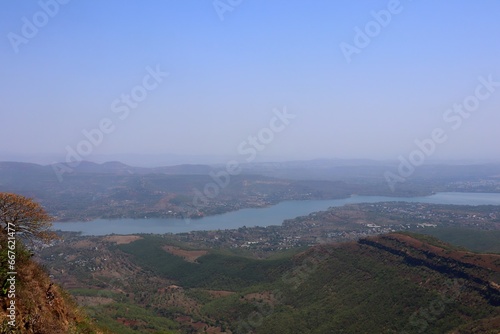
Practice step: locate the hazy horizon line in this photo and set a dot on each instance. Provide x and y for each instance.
(170, 159)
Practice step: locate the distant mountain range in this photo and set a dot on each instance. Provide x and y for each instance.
(87, 190)
(341, 166)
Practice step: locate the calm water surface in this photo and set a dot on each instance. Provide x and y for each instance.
(273, 215)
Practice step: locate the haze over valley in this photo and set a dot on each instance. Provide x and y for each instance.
(254, 167)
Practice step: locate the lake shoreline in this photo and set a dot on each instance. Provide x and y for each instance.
(272, 215)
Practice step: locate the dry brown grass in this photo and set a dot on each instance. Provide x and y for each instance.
(122, 239)
(220, 293)
(187, 255)
(42, 307)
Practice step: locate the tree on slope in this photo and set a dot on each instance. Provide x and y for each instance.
(26, 217)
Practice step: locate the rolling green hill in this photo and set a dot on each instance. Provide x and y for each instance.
(475, 240)
(393, 283)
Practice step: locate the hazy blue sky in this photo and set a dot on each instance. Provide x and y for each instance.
(65, 68)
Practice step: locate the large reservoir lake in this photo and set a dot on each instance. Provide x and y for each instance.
(273, 215)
